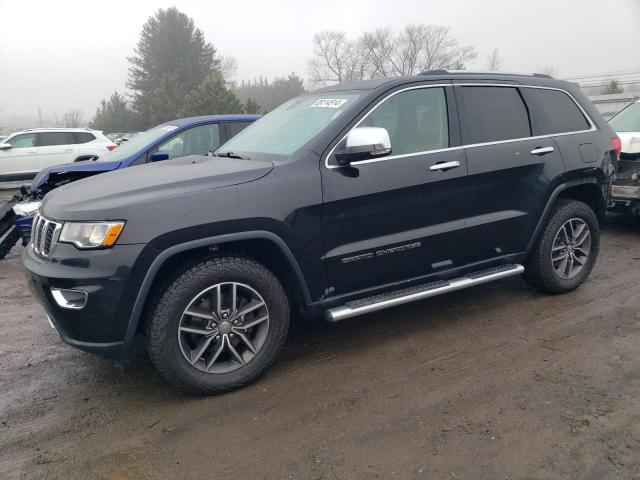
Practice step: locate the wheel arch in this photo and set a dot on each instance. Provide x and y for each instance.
(586, 190)
(262, 246)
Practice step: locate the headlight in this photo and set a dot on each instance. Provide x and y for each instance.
(91, 234)
(26, 209)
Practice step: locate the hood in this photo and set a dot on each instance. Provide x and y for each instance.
(94, 166)
(106, 196)
(630, 142)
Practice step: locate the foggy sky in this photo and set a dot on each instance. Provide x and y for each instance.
(64, 54)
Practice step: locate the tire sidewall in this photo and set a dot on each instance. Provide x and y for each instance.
(566, 212)
(181, 292)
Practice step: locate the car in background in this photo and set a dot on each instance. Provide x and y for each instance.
(125, 137)
(174, 139)
(625, 192)
(114, 136)
(23, 154)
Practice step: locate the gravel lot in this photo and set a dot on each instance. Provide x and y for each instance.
(494, 382)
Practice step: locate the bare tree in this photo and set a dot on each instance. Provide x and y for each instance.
(549, 70)
(72, 118)
(494, 61)
(228, 67)
(383, 53)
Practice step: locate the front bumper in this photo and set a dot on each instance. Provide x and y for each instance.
(100, 327)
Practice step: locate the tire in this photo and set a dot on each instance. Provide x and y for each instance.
(548, 276)
(9, 240)
(172, 349)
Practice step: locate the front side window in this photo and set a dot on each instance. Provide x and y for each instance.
(26, 140)
(294, 123)
(416, 120)
(494, 114)
(628, 120)
(47, 139)
(234, 128)
(553, 111)
(195, 141)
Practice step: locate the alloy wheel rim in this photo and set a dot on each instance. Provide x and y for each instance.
(223, 327)
(571, 248)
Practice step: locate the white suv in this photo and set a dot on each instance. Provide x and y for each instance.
(24, 154)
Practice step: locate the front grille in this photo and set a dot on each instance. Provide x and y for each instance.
(44, 235)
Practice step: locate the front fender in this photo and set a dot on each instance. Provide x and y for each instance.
(166, 254)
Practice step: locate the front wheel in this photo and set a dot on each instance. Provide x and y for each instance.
(566, 250)
(218, 325)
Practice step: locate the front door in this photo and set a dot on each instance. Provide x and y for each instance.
(400, 216)
(20, 162)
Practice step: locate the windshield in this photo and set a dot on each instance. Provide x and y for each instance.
(292, 124)
(137, 143)
(627, 120)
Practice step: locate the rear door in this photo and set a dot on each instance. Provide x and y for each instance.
(54, 148)
(509, 170)
(398, 217)
(231, 129)
(20, 162)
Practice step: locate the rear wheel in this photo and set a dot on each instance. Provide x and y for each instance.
(218, 325)
(566, 250)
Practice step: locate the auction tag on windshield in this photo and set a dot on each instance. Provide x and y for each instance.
(328, 103)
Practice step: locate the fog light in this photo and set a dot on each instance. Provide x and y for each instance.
(71, 299)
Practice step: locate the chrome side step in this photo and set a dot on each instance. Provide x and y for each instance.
(420, 292)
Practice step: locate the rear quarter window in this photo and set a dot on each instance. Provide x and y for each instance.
(493, 114)
(553, 111)
(81, 137)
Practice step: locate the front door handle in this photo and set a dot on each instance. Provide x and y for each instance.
(438, 167)
(542, 150)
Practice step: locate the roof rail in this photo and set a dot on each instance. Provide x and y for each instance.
(466, 72)
(56, 128)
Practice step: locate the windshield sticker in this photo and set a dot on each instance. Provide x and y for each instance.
(169, 128)
(328, 103)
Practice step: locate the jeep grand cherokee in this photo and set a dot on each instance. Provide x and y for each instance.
(340, 202)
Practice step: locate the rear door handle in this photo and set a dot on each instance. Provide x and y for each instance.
(542, 150)
(444, 166)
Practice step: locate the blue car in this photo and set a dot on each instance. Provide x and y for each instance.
(174, 139)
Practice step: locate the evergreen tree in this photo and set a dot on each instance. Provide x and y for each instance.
(268, 94)
(171, 58)
(212, 97)
(251, 106)
(114, 115)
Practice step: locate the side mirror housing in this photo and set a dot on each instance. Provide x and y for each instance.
(158, 156)
(5, 146)
(364, 143)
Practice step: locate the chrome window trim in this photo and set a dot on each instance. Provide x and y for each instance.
(592, 128)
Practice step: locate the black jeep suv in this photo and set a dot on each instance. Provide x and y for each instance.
(340, 202)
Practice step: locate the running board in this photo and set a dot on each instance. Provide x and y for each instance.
(420, 292)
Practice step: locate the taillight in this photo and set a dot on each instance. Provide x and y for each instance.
(617, 145)
(111, 147)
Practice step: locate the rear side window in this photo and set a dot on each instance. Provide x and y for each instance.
(493, 114)
(234, 128)
(81, 137)
(553, 111)
(47, 139)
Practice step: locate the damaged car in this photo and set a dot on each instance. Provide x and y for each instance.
(625, 194)
(175, 139)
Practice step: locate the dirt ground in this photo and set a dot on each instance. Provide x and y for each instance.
(494, 382)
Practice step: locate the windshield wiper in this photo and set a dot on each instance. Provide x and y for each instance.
(230, 155)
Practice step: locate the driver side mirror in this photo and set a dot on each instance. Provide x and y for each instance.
(364, 143)
(158, 156)
(5, 146)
